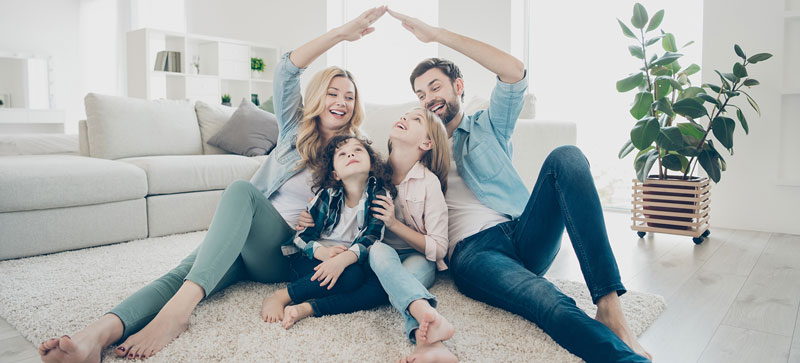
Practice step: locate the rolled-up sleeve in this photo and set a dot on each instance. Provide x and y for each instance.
(286, 98)
(505, 105)
(435, 219)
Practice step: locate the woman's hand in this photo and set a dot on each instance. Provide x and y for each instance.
(304, 221)
(329, 271)
(384, 210)
(360, 26)
(424, 32)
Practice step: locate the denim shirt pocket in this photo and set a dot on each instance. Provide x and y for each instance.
(483, 162)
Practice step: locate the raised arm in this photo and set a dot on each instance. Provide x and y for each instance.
(504, 65)
(352, 30)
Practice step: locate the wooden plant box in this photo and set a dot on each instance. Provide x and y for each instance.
(673, 206)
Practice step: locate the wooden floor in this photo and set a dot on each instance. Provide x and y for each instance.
(734, 298)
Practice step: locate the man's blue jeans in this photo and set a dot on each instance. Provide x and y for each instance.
(504, 265)
(406, 276)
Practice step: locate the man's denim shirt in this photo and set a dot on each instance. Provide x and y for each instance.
(482, 147)
(282, 161)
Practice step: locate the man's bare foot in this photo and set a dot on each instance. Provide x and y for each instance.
(609, 312)
(85, 345)
(273, 305)
(434, 328)
(169, 323)
(295, 313)
(435, 352)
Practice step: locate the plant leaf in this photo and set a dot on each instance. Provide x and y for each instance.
(724, 81)
(644, 163)
(692, 69)
(731, 77)
(739, 51)
(743, 121)
(759, 57)
(639, 19)
(625, 30)
(668, 43)
(752, 102)
(709, 99)
(654, 40)
(664, 106)
(641, 104)
(739, 70)
(689, 107)
(690, 129)
(674, 162)
(688, 44)
(670, 138)
(644, 132)
(636, 51)
(626, 149)
(690, 92)
(667, 58)
(751, 82)
(655, 21)
(713, 87)
(663, 86)
(630, 82)
(723, 131)
(708, 160)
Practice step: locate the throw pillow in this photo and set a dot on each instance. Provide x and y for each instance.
(249, 132)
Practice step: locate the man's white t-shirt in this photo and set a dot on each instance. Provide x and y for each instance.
(466, 214)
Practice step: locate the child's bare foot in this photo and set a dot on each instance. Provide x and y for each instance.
(273, 305)
(435, 352)
(169, 323)
(295, 313)
(434, 328)
(609, 312)
(85, 345)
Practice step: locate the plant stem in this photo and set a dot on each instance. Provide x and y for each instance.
(652, 110)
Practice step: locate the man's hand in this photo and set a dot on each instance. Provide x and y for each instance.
(360, 26)
(424, 32)
(384, 210)
(329, 271)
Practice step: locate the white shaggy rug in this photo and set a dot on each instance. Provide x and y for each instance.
(52, 295)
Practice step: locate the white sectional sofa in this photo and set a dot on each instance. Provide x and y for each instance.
(145, 170)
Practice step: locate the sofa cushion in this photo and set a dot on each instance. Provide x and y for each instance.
(211, 119)
(192, 173)
(32, 182)
(250, 131)
(121, 127)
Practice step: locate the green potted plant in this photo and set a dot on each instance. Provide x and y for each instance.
(676, 125)
(226, 99)
(256, 66)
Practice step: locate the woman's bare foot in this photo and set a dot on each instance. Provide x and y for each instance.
(295, 313)
(85, 345)
(273, 306)
(169, 323)
(609, 312)
(435, 352)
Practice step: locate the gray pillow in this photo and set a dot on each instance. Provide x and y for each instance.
(250, 131)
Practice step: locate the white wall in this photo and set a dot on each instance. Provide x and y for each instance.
(48, 29)
(748, 196)
(286, 24)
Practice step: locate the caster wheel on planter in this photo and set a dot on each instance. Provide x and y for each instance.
(697, 240)
(641, 234)
(706, 233)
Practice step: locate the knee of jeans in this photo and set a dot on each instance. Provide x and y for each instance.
(379, 256)
(351, 278)
(567, 157)
(422, 269)
(239, 187)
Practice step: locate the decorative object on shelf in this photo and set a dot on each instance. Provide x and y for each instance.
(267, 105)
(196, 64)
(5, 100)
(256, 66)
(678, 204)
(226, 99)
(254, 99)
(168, 61)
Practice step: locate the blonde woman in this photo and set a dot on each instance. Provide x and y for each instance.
(252, 219)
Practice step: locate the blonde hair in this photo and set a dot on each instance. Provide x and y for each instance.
(308, 137)
(437, 159)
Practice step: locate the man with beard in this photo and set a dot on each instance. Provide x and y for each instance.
(502, 239)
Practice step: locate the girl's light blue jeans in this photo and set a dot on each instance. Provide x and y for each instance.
(406, 276)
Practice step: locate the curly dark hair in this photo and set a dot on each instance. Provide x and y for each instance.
(380, 169)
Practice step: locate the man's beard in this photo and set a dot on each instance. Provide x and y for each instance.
(452, 108)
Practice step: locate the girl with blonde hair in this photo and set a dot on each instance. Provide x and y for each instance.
(252, 218)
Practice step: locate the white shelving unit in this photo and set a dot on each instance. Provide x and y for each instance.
(789, 170)
(224, 67)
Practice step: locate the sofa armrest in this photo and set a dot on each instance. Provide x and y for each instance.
(533, 140)
(83, 138)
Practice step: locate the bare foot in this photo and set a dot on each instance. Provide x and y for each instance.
(85, 345)
(295, 313)
(609, 312)
(273, 305)
(435, 352)
(434, 328)
(169, 323)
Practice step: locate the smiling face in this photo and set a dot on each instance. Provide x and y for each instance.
(351, 159)
(411, 130)
(437, 93)
(339, 104)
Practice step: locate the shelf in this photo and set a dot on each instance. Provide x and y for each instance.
(261, 80)
(171, 74)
